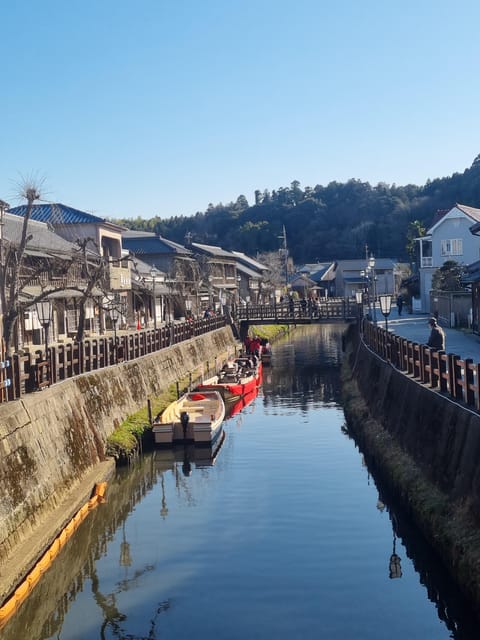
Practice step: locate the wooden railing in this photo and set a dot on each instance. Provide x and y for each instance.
(299, 311)
(446, 372)
(31, 372)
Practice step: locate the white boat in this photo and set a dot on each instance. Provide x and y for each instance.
(195, 417)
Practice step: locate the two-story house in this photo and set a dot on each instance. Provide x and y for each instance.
(49, 267)
(376, 274)
(448, 238)
(176, 287)
(99, 236)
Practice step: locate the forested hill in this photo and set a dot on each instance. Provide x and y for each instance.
(322, 223)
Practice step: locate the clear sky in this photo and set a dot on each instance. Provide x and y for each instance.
(159, 107)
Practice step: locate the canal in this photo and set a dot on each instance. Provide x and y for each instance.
(285, 533)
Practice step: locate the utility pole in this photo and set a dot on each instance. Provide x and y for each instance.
(284, 251)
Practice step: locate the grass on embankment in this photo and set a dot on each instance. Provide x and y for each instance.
(123, 443)
(268, 331)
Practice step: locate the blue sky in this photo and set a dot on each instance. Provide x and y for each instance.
(159, 107)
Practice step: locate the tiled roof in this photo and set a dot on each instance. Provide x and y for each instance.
(358, 265)
(57, 213)
(472, 212)
(42, 238)
(250, 261)
(213, 250)
(147, 243)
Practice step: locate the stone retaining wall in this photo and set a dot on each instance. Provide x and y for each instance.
(426, 448)
(51, 440)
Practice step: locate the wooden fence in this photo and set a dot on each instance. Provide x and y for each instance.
(31, 372)
(445, 372)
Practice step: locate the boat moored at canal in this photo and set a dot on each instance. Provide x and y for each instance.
(237, 378)
(195, 417)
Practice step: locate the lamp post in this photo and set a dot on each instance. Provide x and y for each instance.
(44, 313)
(210, 292)
(365, 274)
(371, 267)
(114, 315)
(359, 299)
(385, 307)
(188, 306)
(154, 275)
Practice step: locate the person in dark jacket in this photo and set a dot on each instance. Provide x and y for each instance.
(437, 336)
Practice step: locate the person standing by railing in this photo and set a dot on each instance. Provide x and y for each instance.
(437, 336)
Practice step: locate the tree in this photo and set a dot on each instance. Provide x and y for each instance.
(449, 277)
(16, 273)
(416, 229)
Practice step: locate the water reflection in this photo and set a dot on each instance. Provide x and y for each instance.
(452, 607)
(288, 533)
(306, 370)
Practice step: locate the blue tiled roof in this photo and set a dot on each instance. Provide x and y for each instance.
(57, 214)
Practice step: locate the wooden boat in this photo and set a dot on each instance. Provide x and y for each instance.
(195, 417)
(237, 378)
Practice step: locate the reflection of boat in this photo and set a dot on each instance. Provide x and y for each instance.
(233, 408)
(237, 378)
(195, 417)
(266, 355)
(189, 454)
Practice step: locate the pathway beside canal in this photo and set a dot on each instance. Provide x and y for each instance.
(462, 343)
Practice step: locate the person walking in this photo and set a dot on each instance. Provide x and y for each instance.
(399, 304)
(436, 340)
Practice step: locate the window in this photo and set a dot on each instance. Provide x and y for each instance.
(452, 247)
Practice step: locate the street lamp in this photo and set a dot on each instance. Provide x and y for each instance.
(114, 315)
(210, 292)
(359, 299)
(44, 314)
(154, 273)
(371, 267)
(385, 307)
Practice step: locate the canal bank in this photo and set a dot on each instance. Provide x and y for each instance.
(426, 448)
(52, 443)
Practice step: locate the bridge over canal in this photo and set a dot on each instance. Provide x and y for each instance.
(297, 312)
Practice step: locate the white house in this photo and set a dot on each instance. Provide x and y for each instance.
(449, 238)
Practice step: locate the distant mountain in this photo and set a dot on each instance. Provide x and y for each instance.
(325, 222)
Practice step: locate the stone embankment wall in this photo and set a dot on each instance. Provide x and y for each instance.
(428, 449)
(51, 440)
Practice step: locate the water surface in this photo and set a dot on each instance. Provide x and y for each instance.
(284, 535)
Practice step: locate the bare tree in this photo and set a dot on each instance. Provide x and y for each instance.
(11, 266)
(79, 269)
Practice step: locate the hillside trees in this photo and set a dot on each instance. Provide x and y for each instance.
(327, 222)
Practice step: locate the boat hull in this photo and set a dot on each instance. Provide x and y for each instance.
(232, 391)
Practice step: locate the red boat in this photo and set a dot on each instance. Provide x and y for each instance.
(235, 407)
(237, 378)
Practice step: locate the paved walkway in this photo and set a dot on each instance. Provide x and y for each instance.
(415, 327)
